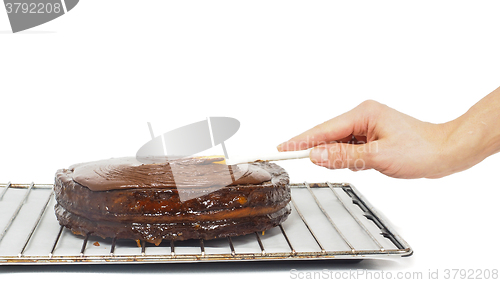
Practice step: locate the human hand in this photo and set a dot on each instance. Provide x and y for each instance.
(391, 142)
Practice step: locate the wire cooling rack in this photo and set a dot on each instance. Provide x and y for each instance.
(328, 221)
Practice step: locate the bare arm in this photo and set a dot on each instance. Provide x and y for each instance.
(375, 136)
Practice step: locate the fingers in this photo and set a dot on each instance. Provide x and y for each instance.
(339, 129)
(342, 155)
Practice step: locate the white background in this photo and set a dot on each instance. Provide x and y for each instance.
(83, 87)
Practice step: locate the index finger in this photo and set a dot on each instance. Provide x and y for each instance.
(338, 129)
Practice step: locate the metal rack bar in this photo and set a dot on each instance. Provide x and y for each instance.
(16, 212)
(355, 217)
(84, 245)
(329, 218)
(231, 246)
(172, 248)
(307, 226)
(113, 245)
(5, 190)
(56, 241)
(202, 247)
(42, 212)
(143, 248)
(262, 250)
(287, 240)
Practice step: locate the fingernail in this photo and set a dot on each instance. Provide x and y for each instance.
(319, 154)
(280, 146)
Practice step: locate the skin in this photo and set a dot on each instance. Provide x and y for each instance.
(375, 136)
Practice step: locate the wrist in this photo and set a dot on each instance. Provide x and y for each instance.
(466, 143)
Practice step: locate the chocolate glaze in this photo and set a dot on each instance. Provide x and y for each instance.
(128, 172)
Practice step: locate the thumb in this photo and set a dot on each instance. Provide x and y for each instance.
(341, 155)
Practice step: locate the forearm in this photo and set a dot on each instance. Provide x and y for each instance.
(475, 135)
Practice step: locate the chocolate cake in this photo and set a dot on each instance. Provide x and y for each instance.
(125, 198)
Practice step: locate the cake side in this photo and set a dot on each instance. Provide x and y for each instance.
(157, 232)
(154, 214)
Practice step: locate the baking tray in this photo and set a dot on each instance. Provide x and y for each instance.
(328, 221)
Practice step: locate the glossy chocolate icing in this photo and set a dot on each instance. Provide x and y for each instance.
(128, 172)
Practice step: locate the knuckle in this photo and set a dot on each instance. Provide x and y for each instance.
(371, 110)
(370, 105)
